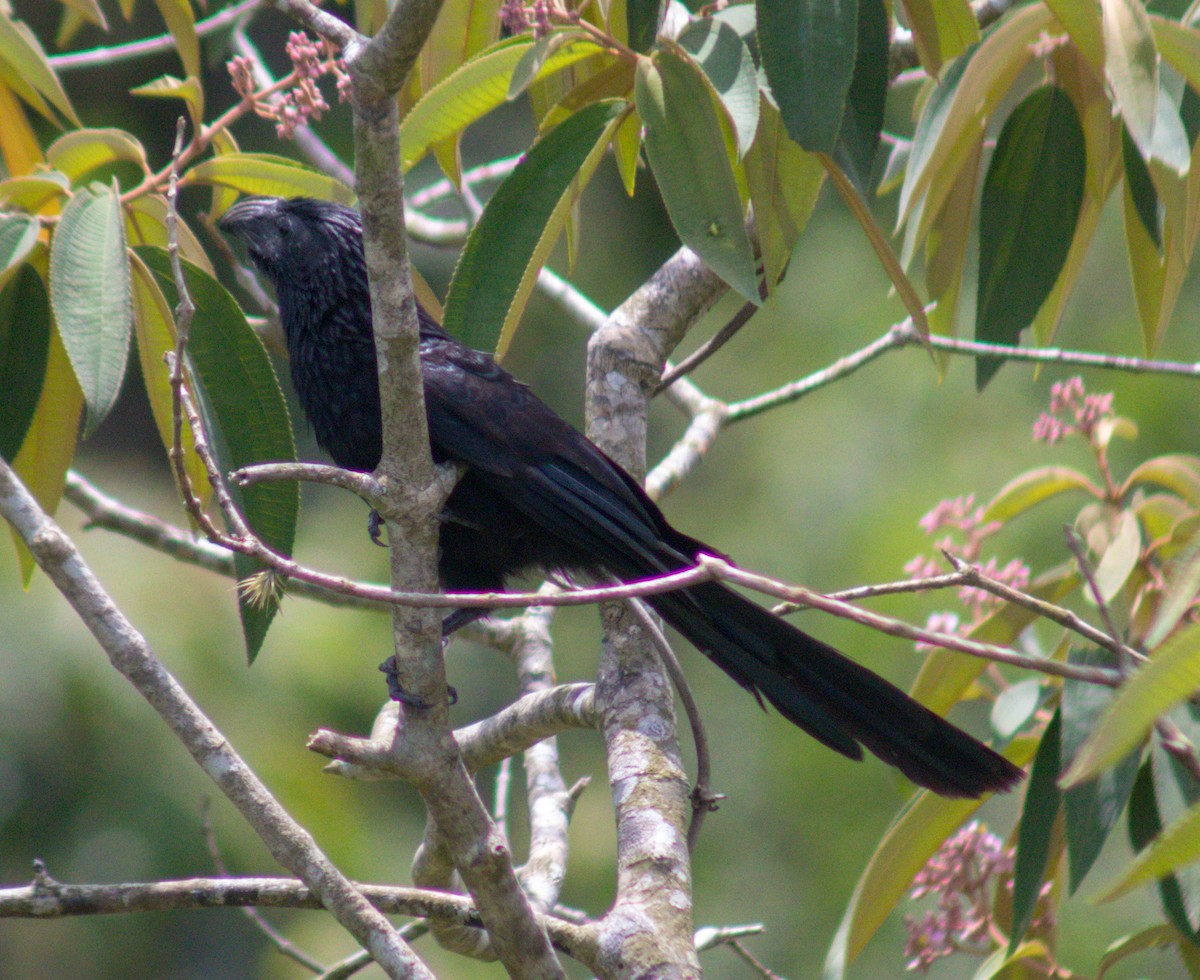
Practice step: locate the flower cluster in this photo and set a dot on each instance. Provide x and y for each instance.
(517, 17)
(311, 61)
(964, 520)
(1072, 411)
(962, 876)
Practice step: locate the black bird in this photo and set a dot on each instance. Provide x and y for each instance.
(538, 495)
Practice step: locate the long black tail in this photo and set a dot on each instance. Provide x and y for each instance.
(831, 697)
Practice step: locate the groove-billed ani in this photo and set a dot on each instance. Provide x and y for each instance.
(538, 495)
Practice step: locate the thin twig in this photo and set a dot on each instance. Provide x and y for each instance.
(1125, 655)
(709, 347)
(276, 939)
(894, 627)
(96, 57)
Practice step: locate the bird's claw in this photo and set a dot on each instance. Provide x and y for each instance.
(375, 526)
(397, 693)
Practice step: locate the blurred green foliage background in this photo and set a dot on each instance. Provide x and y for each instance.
(826, 492)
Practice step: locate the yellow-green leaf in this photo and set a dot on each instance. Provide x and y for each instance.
(1177, 472)
(784, 182)
(155, 330)
(169, 87)
(1177, 845)
(181, 22)
(1031, 488)
(33, 192)
(49, 444)
(627, 148)
(463, 28)
(1131, 65)
(1082, 23)
(941, 31)
(974, 87)
(913, 839)
(18, 144)
(28, 69)
(1172, 674)
(81, 151)
(269, 176)
(146, 224)
(473, 91)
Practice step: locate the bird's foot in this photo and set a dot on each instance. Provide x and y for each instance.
(375, 526)
(397, 693)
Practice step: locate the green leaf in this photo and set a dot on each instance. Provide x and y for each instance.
(1082, 21)
(154, 325)
(1119, 556)
(941, 30)
(473, 91)
(957, 111)
(909, 843)
(463, 28)
(1032, 488)
(1031, 200)
(784, 182)
(1179, 47)
(627, 148)
(33, 192)
(808, 51)
(1182, 583)
(1043, 799)
(1177, 472)
(642, 18)
(1015, 708)
(240, 393)
(90, 295)
(24, 349)
(946, 246)
(181, 22)
(729, 68)
(1176, 790)
(533, 61)
(18, 235)
(267, 175)
(1092, 808)
(28, 70)
(862, 123)
(1131, 66)
(169, 87)
(146, 224)
(519, 226)
(1101, 133)
(998, 963)
(1141, 188)
(49, 444)
(1171, 676)
(1160, 853)
(1153, 937)
(686, 149)
(81, 151)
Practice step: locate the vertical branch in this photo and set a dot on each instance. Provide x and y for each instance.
(652, 914)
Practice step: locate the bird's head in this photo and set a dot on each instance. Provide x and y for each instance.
(294, 237)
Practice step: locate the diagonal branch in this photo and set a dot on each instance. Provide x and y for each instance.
(128, 651)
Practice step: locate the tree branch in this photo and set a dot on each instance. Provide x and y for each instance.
(129, 653)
